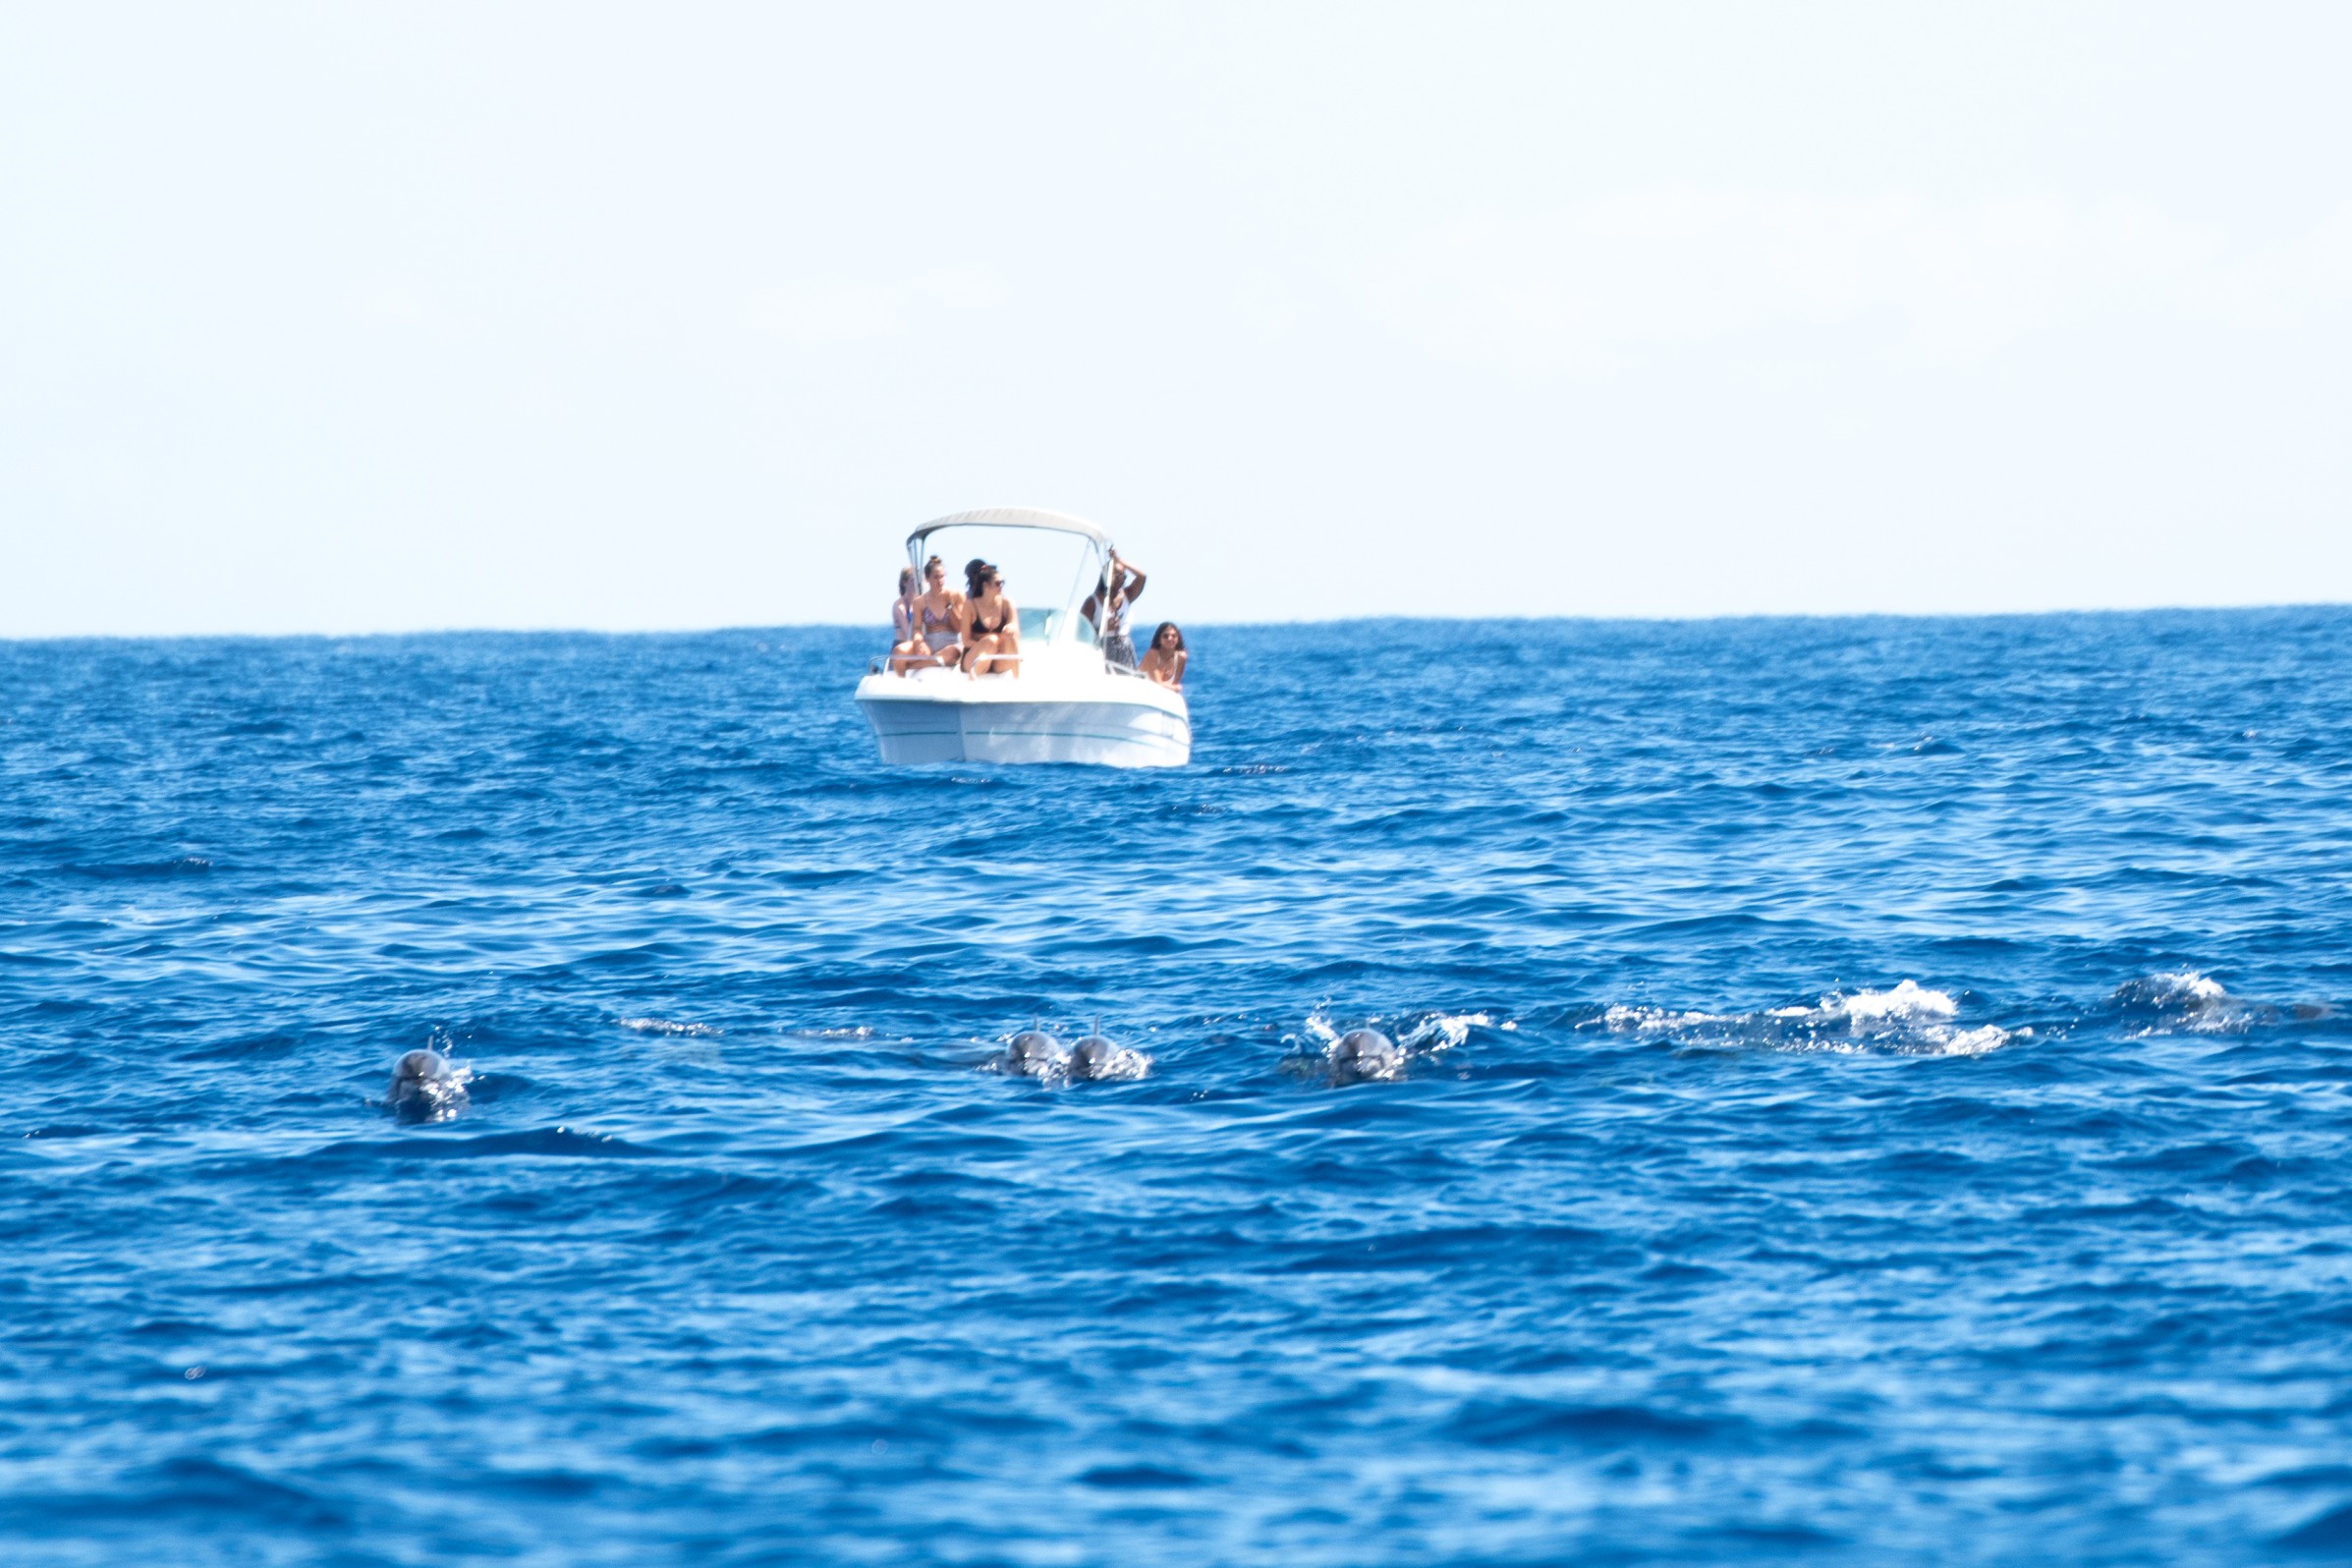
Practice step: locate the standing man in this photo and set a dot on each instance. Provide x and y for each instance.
(1120, 585)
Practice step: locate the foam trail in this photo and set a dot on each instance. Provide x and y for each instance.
(1903, 1019)
(1907, 1000)
(1441, 1032)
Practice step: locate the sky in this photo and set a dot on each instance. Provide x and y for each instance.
(383, 317)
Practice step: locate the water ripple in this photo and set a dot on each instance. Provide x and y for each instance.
(1872, 1088)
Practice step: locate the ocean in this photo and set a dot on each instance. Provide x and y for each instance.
(1878, 1090)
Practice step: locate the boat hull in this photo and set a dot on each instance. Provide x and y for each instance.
(954, 721)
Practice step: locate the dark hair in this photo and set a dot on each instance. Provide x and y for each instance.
(934, 562)
(976, 573)
(1165, 627)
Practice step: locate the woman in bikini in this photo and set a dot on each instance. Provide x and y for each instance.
(1167, 656)
(992, 625)
(939, 618)
(907, 650)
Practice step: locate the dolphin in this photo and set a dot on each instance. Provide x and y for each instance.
(1363, 1053)
(1035, 1054)
(425, 1088)
(1099, 1059)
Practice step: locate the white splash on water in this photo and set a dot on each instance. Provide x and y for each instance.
(1903, 1019)
(2185, 985)
(667, 1025)
(1119, 1064)
(1441, 1032)
(1909, 1018)
(1972, 1041)
(2186, 1000)
(1656, 1020)
(1907, 1000)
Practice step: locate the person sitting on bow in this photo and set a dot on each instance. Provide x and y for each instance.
(907, 650)
(992, 625)
(939, 617)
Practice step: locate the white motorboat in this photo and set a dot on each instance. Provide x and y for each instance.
(1068, 703)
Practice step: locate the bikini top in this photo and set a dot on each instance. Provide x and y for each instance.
(979, 625)
(932, 618)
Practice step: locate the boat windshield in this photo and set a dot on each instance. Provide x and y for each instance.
(1046, 573)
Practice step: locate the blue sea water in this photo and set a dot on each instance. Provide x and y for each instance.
(1879, 1092)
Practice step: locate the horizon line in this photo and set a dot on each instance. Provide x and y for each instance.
(8, 638)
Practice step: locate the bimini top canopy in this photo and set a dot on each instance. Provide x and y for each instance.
(1013, 516)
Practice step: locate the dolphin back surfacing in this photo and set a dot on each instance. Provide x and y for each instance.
(425, 1088)
(1363, 1053)
(1102, 1061)
(1034, 1053)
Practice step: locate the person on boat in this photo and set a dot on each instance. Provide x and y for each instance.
(992, 625)
(907, 649)
(1120, 585)
(938, 618)
(1166, 659)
